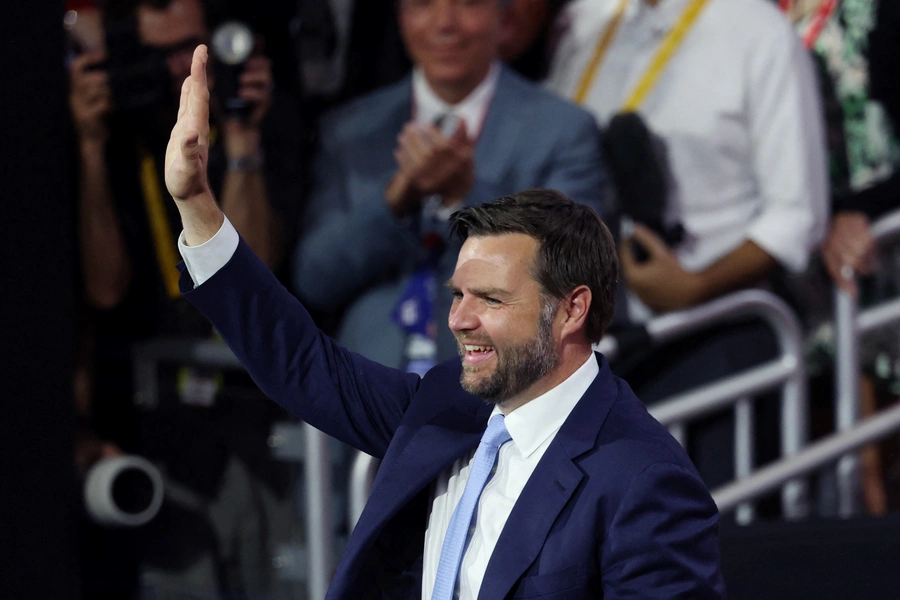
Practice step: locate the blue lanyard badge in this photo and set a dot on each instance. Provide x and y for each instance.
(414, 313)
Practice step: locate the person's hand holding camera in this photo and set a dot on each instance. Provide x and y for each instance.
(90, 98)
(242, 135)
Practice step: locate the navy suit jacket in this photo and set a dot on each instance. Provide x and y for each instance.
(614, 508)
(354, 256)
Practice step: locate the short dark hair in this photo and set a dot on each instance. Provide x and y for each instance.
(576, 248)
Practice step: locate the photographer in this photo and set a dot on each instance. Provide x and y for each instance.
(124, 101)
(171, 30)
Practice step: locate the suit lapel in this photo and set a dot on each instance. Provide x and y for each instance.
(544, 496)
(549, 488)
(430, 449)
(506, 119)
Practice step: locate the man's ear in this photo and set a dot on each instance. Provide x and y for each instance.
(573, 310)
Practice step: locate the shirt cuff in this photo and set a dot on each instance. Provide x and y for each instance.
(205, 260)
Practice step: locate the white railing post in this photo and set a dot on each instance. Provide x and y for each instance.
(846, 389)
(362, 476)
(744, 451)
(319, 529)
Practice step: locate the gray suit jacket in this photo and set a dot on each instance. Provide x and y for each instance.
(355, 258)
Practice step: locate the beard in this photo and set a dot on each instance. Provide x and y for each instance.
(518, 367)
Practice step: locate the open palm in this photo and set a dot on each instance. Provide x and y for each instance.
(187, 153)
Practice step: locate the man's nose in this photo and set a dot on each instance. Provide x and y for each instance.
(462, 316)
(445, 14)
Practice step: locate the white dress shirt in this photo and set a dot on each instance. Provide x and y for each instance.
(532, 426)
(427, 106)
(738, 110)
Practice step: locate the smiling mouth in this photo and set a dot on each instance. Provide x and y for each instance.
(475, 354)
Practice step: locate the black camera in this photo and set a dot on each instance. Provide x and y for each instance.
(138, 75)
(232, 44)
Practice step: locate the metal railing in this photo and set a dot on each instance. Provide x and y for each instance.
(851, 324)
(787, 371)
(320, 542)
(813, 457)
(362, 475)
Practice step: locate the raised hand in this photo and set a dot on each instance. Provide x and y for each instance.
(187, 156)
(187, 153)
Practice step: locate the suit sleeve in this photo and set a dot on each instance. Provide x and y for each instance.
(346, 244)
(341, 393)
(663, 540)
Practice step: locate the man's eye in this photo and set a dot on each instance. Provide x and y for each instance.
(492, 301)
(457, 294)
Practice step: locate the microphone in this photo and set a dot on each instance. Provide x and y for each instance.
(639, 175)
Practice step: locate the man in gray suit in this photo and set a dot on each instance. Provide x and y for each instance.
(460, 130)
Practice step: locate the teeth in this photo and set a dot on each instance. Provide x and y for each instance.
(471, 348)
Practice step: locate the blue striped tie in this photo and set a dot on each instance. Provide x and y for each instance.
(458, 531)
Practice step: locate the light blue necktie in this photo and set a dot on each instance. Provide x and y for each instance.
(458, 532)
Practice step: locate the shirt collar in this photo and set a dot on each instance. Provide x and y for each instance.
(532, 423)
(661, 17)
(428, 106)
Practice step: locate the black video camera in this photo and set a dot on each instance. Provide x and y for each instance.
(138, 75)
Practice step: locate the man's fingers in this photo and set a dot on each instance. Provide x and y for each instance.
(91, 79)
(256, 77)
(185, 97)
(198, 66)
(403, 160)
(198, 98)
(416, 144)
(83, 61)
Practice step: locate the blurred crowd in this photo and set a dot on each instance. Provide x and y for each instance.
(729, 144)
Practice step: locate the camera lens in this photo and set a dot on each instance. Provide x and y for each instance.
(132, 491)
(232, 43)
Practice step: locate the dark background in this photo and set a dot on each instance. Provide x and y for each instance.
(37, 311)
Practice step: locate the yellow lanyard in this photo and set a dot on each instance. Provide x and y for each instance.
(163, 240)
(674, 38)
